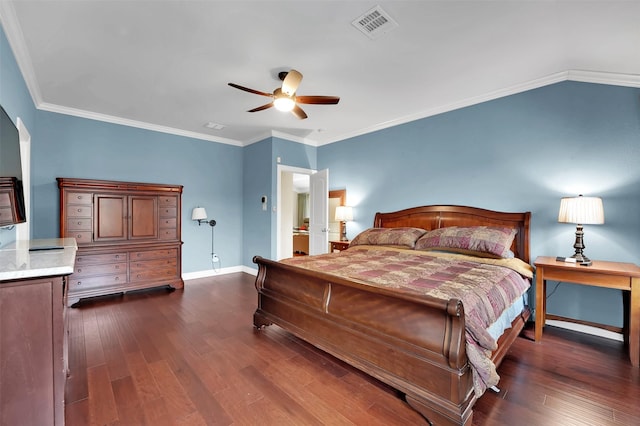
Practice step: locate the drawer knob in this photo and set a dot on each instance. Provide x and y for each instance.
(79, 222)
(79, 270)
(117, 278)
(79, 283)
(79, 210)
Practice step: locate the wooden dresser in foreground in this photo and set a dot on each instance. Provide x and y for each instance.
(33, 337)
(128, 235)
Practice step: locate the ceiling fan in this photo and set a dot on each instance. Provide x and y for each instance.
(285, 98)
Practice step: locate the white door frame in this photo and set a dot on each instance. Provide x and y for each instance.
(282, 168)
(23, 229)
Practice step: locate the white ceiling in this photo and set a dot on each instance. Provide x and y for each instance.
(165, 65)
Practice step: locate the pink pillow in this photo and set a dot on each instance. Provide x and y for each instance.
(484, 241)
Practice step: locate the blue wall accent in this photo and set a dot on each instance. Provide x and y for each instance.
(16, 101)
(257, 181)
(519, 153)
(260, 178)
(211, 174)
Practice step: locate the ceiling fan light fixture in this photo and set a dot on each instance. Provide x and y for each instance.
(284, 103)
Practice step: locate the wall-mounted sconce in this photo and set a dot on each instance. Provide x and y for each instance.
(200, 214)
(343, 215)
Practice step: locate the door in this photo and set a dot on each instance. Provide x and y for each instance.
(319, 212)
(143, 219)
(110, 217)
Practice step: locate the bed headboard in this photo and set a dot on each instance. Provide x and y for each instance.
(434, 217)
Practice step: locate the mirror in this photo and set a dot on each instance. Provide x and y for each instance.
(336, 198)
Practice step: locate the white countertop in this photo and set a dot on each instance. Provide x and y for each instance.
(17, 262)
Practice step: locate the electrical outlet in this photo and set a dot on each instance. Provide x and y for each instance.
(215, 258)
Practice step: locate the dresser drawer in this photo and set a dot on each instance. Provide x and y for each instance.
(5, 199)
(168, 234)
(153, 274)
(79, 224)
(99, 269)
(168, 211)
(153, 254)
(168, 223)
(80, 284)
(82, 237)
(168, 201)
(88, 259)
(146, 265)
(79, 211)
(5, 214)
(79, 198)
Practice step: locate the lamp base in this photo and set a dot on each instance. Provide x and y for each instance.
(582, 259)
(579, 247)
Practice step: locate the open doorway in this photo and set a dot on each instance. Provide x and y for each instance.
(302, 212)
(293, 185)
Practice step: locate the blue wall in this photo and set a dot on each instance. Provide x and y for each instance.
(66, 146)
(519, 153)
(211, 174)
(260, 162)
(15, 99)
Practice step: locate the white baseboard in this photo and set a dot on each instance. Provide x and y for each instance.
(594, 331)
(215, 272)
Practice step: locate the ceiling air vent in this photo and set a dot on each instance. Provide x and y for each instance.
(375, 22)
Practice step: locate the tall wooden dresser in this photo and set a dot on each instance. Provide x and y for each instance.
(128, 235)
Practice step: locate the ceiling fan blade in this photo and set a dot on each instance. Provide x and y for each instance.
(319, 100)
(246, 89)
(263, 107)
(298, 112)
(291, 82)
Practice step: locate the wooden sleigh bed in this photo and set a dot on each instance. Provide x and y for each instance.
(412, 342)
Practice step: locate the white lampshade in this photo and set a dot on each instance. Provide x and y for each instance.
(198, 213)
(344, 213)
(581, 210)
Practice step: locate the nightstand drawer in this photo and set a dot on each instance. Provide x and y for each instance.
(339, 245)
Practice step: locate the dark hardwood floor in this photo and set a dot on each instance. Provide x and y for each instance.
(192, 357)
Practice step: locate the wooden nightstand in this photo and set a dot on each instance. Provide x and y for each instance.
(338, 245)
(621, 276)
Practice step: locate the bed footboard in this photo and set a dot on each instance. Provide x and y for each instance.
(414, 344)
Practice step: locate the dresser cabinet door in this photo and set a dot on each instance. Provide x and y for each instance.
(110, 217)
(143, 219)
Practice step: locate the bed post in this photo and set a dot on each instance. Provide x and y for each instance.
(259, 320)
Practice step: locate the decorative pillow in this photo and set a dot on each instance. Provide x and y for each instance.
(485, 241)
(388, 237)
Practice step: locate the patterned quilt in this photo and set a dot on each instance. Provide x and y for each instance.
(486, 287)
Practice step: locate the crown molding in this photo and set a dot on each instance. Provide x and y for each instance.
(14, 34)
(13, 31)
(134, 123)
(496, 94)
(617, 79)
(626, 80)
